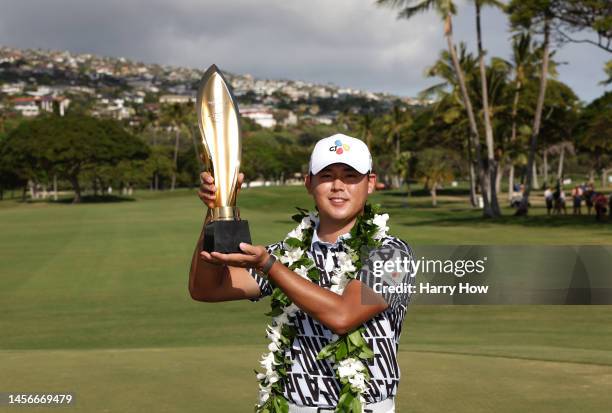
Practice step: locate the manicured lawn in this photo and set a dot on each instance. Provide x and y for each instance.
(94, 300)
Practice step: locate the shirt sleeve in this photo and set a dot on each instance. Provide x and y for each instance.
(389, 271)
(264, 285)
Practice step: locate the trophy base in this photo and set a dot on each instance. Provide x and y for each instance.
(225, 236)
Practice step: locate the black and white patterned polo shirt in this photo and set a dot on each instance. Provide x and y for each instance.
(312, 382)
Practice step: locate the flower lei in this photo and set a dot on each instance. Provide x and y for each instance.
(347, 351)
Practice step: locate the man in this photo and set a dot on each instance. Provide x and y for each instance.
(340, 180)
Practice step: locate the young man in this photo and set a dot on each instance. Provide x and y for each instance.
(339, 181)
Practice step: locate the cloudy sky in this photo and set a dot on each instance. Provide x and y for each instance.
(349, 43)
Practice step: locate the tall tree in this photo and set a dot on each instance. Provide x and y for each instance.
(175, 116)
(573, 16)
(447, 9)
(69, 145)
(595, 130)
(396, 125)
(534, 15)
(492, 164)
(449, 104)
(435, 166)
(366, 126)
(521, 56)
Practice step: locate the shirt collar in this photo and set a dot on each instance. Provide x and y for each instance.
(315, 238)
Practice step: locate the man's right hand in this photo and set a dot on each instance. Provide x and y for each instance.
(208, 190)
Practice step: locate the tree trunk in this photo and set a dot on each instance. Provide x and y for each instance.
(561, 160)
(524, 207)
(491, 161)
(197, 150)
(517, 93)
(54, 187)
(156, 181)
(545, 161)
(175, 169)
(396, 180)
(474, 135)
(31, 186)
(473, 199)
(434, 194)
(604, 178)
(498, 178)
(74, 180)
(536, 185)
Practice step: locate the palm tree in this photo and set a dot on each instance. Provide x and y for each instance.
(175, 116)
(521, 56)
(398, 121)
(435, 166)
(530, 15)
(366, 125)
(561, 149)
(449, 104)
(491, 161)
(446, 9)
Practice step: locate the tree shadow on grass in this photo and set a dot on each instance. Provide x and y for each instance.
(420, 192)
(473, 218)
(95, 199)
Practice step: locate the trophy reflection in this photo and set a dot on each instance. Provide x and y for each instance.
(221, 150)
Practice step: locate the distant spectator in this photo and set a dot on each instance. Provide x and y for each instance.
(517, 195)
(601, 206)
(559, 200)
(577, 200)
(548, 198)
(588, 197)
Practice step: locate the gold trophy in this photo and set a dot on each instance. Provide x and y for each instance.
(221, 148)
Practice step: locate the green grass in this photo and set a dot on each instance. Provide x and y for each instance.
(94, 300)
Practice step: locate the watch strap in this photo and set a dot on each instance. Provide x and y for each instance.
(269, 263)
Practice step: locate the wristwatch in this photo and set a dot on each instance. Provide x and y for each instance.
(269, 263)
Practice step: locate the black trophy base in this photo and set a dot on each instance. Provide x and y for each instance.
(225, 236)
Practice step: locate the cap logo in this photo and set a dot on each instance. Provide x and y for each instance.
(339, 148)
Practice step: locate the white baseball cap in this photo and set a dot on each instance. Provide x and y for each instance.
(340, 148)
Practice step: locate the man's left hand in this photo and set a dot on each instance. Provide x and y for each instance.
(255, 256)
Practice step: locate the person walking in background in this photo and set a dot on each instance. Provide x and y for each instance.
(577, 200)
(548, 199)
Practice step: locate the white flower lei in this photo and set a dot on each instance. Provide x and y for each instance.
(349, 350)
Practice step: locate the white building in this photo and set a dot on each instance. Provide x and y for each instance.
(27, 109)
(176, 99)
(13, 88)
(260, 115)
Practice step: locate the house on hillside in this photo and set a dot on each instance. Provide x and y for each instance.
(171, 99)
(261, 115)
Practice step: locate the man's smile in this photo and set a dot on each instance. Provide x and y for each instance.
(338, 200)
